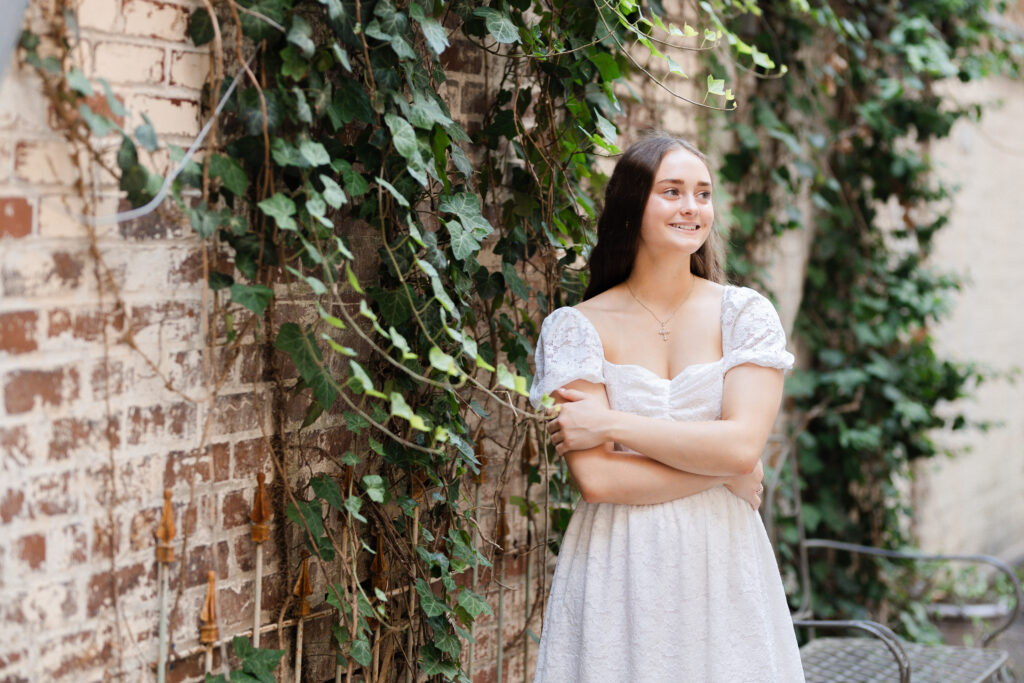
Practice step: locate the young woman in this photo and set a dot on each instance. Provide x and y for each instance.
(668, 383)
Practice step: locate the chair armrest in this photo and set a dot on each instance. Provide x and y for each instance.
(1018, 597)
(883, 633)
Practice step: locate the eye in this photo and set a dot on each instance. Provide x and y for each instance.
(705, 195)
(672, 192)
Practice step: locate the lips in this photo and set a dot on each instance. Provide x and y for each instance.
(686, 227)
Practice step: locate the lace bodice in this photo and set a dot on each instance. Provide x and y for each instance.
(569, 348)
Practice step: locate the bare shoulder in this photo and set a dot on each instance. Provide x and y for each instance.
(605, 308)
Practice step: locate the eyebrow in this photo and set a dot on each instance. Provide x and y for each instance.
(676, 181)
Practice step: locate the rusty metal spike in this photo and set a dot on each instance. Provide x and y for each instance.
(501, 529)
(208, 633)
(165, 531)
(261, 511)
(303, 588)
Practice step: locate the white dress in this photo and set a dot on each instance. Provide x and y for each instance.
(684, 591)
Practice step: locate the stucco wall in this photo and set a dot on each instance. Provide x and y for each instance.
(974, 502)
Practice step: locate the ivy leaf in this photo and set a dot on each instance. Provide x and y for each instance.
(281, 208)
(352, 505)
(314, 153)
(333, 194)
(146, 135)
(400, 408)
(230, 172)
(442, 361)
(374, 486)
(253, 297)
(258, 662)
(325, 487)
(99, 125)
(78, 82)
(606, 66)
(361, 651)
(463, 243)
(499, 25)
(293, 64)
(716, 86)
(448, 643)
(200, 27)
(219, 280)
(432, 606)
(305, 354)
(473, 603)
(425, 112)
(513, 281)
(404, 138)
(301, 35)
(433, 31)
(402, 201)
(362, 380)
(203, 220)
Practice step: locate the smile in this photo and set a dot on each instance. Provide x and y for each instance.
(689, 227)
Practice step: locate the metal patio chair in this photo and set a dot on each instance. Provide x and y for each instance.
(882, 657)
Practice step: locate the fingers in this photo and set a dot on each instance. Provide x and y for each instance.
(570, 394)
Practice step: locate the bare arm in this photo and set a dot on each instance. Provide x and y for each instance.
(727, 447)
(605, 476)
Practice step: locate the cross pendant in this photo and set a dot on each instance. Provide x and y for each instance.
(664, 334)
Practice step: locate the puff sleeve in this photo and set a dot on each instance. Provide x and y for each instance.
(752, 332)
(568, 349)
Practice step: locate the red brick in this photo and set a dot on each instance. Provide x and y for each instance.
(103, 540)
(236, 413)
(176, 420)
(15, 217)
(85, 650)
(72, 548)
(15, 448)
(200, 561)
(462, 57)
(51, 495)
(250, 458)
(31, 549)
(11, 504)
(51, 387)
(235, 510)
(77, 435)
(84, 325)
(101, 586)
(183, 466)
(189, 270)
(55, 273)
(143, 527)
(18, 332)
(107, 379)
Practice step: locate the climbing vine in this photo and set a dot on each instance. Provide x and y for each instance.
(848, 134)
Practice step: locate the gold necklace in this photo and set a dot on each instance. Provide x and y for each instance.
(663, 331)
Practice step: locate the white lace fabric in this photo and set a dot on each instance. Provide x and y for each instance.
(684, 591)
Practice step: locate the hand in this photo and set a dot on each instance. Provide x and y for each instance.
(578, 423)
(748, 486)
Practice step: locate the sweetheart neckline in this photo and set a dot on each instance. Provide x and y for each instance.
(721, 319)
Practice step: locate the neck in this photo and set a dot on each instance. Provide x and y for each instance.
(661, 285)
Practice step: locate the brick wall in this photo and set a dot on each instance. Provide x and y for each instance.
(105, 398)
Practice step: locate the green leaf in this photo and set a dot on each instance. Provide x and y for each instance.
(361, 651)
(448, 643)
(314, 153)
(353, 504)
(301, 35)
(293, 64)
(253, 297)
(402, 201)
(146, 135)
(606, 66)
(230, 172)
(78, 82)
(281, 208)
(333, 194)
(404, 137)
(219, 280)
(432, 606)
(305, 354)
(463, 243)
(200, 27)
(400, 408)
(433, 31)
(327, 488)
(375, 488)
(514, 282)
(99, 125)
(440, 360)
(473, 603)
(716, 86)
(499, 25)
(362, 380)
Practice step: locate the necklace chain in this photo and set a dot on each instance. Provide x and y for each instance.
(663, 331)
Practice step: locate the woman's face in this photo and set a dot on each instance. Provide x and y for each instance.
(679, 213)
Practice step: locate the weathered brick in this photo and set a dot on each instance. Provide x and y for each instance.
(166, 322)
(45, 162)
(142, 528)
(153, 226)
(12, 503)
(101, 15)
(237, 413)
(183, 466)
(86, 325)
(250, 458)
(15, 447)
(28, 389)
(50, 495)
(189, 69)
(201, 561)
(15, 217)
(186, 267)
(154, 19)
(42, 273)
(129, 63)
(462, 57)
(107, 379)
(170, 115)
(234, 510)
(176, 420)
(79, 653)
(18, 331)
(101, 588)
(68, 547)
(31, 550)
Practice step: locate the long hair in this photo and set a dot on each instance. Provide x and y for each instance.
(625, 198)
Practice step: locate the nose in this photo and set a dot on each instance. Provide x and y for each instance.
(688, 204)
